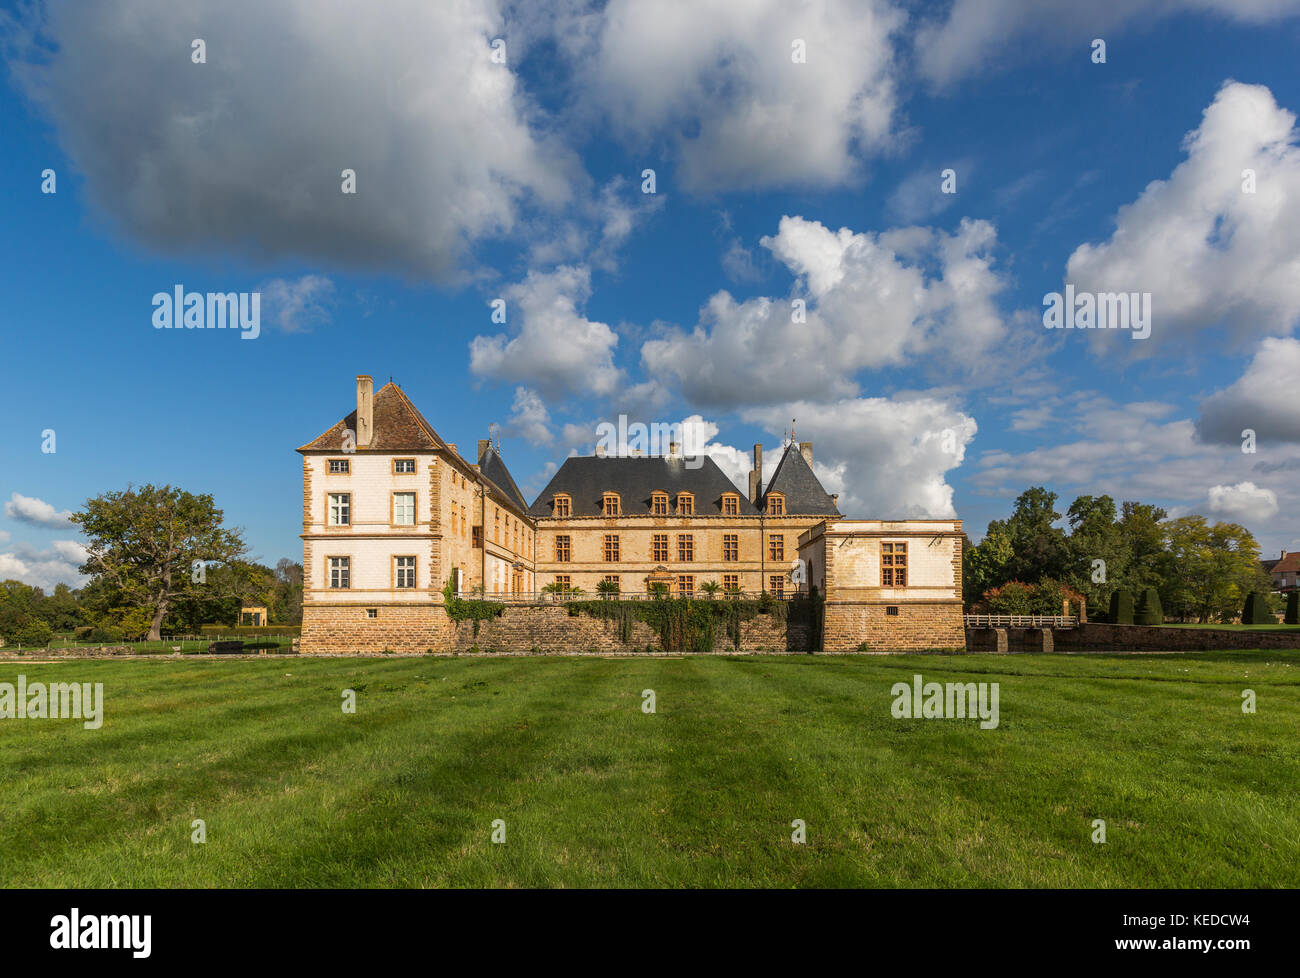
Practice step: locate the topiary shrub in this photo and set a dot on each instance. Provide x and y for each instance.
(1149, 611)
(1256, 611)
(1293, 608)
(1121, 607)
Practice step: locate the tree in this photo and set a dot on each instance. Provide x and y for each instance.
(711, 588)
(1208, 570)
(607, 589)
(286, 607)
(1121, 607)
(1142, 528)
(984, 565)
(1039, 548)
(1098, 552)
(148, 545)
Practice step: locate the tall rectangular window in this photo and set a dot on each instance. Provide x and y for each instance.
(340, 572)
(659, 504)
(563, 551)
(893, 565)
(564, 581)
(611, 548)
(730, 505)
(659, 548)
(731, 582)
(685, 585)
(405, 572)
(685, 504)
(404, 508)
(685, 547)
(776, 585)
(730, 546)
(340, 509)
(562, 506)
(776, 547)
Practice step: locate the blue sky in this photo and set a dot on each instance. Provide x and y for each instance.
(922, 372)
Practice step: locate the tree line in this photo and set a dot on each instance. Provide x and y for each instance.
(160, 560)
(1026, 564)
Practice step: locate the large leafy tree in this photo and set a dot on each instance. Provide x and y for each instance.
(144, 543)
(1040, 549)
(1099, 553)
(1208, 570)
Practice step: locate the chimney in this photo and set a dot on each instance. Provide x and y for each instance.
(365, 410)
(756, 476)
(805, 449)
(672, 449)
(483, 444)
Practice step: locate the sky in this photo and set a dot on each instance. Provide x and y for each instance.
(858, 209)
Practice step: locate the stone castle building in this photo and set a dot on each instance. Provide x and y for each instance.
(392, 514)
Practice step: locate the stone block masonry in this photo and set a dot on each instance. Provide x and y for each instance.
(918, 626)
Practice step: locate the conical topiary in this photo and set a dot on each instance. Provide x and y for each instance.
(1121, 607)
(1293, 608)
(1149, 611)
(1256, 611)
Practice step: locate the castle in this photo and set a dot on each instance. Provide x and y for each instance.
(392, 515)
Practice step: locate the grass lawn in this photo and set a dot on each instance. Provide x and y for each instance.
(594, 792)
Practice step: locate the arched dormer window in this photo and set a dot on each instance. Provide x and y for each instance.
(611, 504)
(685, 504)
(659, 504)
(775, 504)
(730, 504)
(561, 505)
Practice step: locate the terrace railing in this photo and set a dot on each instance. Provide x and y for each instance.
(1021, 621)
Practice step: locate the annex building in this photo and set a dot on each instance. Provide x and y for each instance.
(392, 515)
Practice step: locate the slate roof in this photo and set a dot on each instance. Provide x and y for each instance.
(794, 479)
(587, 478)
(492, 466)
(399, 427)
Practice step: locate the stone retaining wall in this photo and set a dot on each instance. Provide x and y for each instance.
(1099, 637)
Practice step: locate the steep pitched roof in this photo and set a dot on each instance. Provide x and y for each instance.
(491, 466)
(399, 427)
(1290, 564)
(587, 478)
(794, 479)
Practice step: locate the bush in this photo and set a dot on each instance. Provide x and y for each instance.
(1293, 608)
(1256, 611)
(1121, 607)
(1149, 611)
(1012, 598)
(33, 632)
(105, 635)
(82, 632)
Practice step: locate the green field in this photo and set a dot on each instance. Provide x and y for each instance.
(594, 792)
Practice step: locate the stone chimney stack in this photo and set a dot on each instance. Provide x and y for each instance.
(756, 476)
(483, 444)
(365, 410)
(805, 449)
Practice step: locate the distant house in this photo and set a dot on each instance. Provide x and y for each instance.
(1285, 571)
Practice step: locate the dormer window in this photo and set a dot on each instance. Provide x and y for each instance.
(685, 504)
(775, 504)
(659, 504)
(730, 504)
(612, 506)
(562, 505)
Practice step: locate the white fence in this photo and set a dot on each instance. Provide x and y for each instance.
(1021, 621)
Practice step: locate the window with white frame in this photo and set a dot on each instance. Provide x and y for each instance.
(405, 572)
(340, 572)
(404, 508)
(340, 509)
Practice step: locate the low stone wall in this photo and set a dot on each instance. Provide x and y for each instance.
(398, 628)
(1099, 637)
(919, 626)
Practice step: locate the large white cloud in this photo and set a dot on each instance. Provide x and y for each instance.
(1209, 253)
(45, 568)
(979, 34)
(717, 81)
(1244, 502)
(1262, 400)
(246, 151)
(555, 349)
(37, 512)
(870, 302)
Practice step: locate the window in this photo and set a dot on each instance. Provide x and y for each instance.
(496, 527)
(685, 504)
(615, 580)
(563, 550)
(477, 537)
(685, 547)
(659, 504)
(776, 585)
(612, 505)
(776, 547)
(685, 585)
(403, 466)
(659, 548)
(775, 505)
(893, 565)
(340, 508)
(404, 508)
(464, 521)
(611, 548)
(405, 577)
(730, 504)
(730, 546)
(564, 581)
(340, 466)
(340, 572)
(731, 582)
(372, 612)
(562, 507)
(891, 609)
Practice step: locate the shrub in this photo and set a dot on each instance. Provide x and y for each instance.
(1012, 598)
(33, 632)
(1121, 607)
(82, 633)
(1149, 611)
(1293, 608)
(105, 635)
(1256, 611)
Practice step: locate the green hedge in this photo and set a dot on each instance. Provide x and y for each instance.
(1293, 608)
(1149, 611)
(693, 624)
(1121, 607)
(1256, 611)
